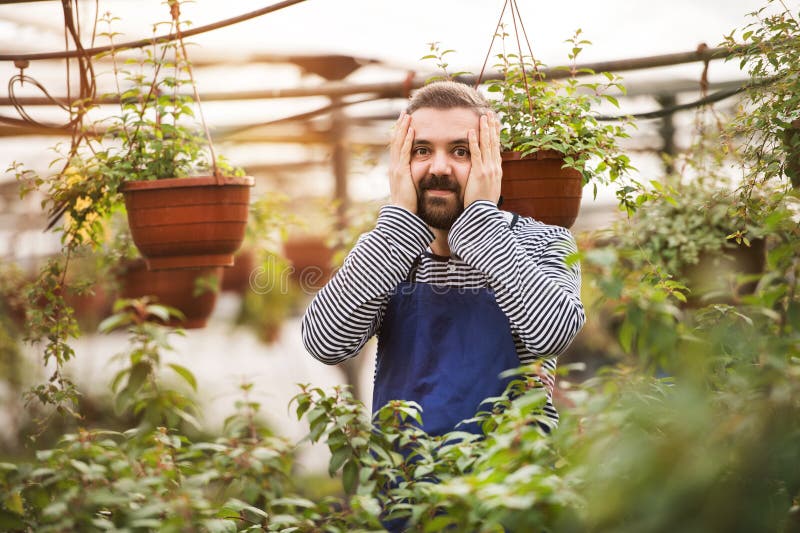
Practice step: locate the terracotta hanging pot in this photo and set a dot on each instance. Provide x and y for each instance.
(311, 259)
(90, 308)
(536, 186)
(237, 277)
(188, 222)
(708, 280)
(173, 288)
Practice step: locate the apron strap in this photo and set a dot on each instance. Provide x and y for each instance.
(413, 271)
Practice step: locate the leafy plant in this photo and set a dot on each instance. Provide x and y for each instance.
(560, 114)
(154, 135)
(136, 386)
(396, 474)
(709, 443)
(770, 53)
(685, 222)
(156, 480)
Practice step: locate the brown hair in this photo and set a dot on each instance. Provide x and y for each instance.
(448, 95)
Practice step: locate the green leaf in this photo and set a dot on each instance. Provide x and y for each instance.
(163, 312)
(318, 427)
(369, 504)
(294, 502)
(13, 502)
(338, 458)
(138, 376)
(303, 404)
(626, 333)
(350, 477)
(218, 525)
(10, 522)
(440, 523)
(55, 509)
(80, 466)
(185, 373)
(113, 322)
(187, 417)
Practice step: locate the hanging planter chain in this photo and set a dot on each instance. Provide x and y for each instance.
(515, 14)
(175, 12)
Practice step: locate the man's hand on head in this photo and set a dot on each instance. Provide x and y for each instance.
(401, 186)
(486, 173)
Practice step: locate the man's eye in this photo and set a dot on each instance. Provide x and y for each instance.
(420, 150)
(461, 152)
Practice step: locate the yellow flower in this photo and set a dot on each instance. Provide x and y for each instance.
(82, 203)
(73, 176)
(79, 231)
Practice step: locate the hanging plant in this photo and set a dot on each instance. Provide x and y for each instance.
(769, 53)
(553, 143)
(186, 207)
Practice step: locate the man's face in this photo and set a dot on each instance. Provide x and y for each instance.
(440, 162)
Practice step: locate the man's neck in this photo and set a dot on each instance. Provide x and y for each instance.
(439, 245)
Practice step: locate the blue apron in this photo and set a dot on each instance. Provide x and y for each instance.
(444, 348)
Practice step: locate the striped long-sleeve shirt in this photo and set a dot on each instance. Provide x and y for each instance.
(524, 265)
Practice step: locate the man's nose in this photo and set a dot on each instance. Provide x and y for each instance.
(440, 164)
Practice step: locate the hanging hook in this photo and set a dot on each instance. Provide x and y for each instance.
(21, 64)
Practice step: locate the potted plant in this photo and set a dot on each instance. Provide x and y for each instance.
(186, 207)
(191, 291)
(553, 144)
(711, 250)
(768, 51)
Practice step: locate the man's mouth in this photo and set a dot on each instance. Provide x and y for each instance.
(439, 186)
(440, 192)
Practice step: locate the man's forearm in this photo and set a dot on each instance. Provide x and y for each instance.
(540, 298)
(347, 311)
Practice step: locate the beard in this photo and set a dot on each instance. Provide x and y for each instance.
(436, 211)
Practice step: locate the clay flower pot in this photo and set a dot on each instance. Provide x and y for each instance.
(236, 278)
(311, 259)
(536, 186)
(91, 308)
(708, 279)
(173, 288)
(188, 222)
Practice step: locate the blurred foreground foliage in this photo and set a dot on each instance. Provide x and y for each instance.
(695, 428)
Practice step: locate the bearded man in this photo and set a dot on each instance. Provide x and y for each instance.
(456, 290)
